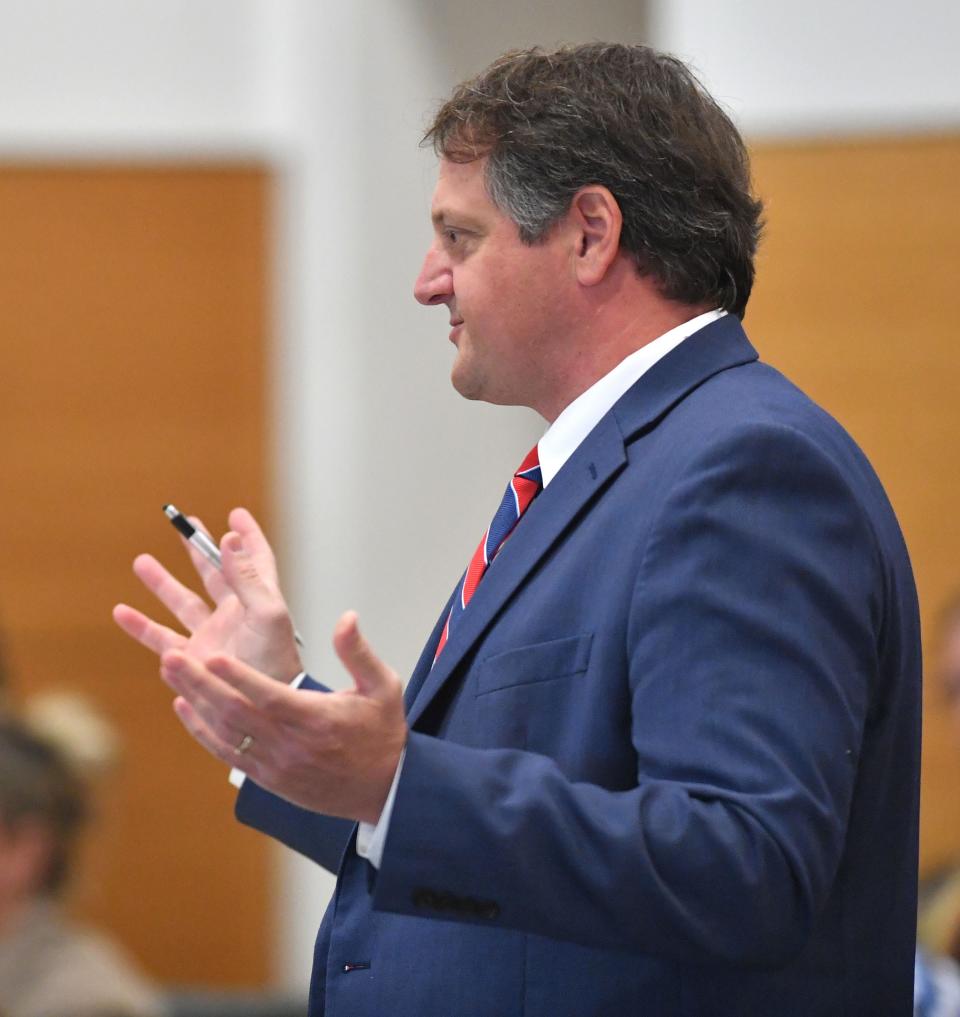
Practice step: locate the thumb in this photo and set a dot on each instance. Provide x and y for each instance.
(371, 676)
(244, 578)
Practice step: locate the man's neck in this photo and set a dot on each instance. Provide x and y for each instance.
(605, 340)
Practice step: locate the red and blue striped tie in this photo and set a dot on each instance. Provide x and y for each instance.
(526, 482)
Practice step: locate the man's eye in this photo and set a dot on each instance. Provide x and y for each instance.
(452, 236)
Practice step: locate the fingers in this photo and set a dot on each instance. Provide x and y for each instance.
(228, 694)
(255, 543)
(256, 590)
(370, 674)
(147, 632)
(189, 609)
(208, 738)
(225, 712)
(264, 693)
(210, 575)
(257, 572)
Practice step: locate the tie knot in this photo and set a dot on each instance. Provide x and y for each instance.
(529, 469)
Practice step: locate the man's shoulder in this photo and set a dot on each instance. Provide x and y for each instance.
(748, 422)
(755, 399)
(713, 384)
(757, 393)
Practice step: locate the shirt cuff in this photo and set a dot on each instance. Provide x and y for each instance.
(370, 838)
(237, 777)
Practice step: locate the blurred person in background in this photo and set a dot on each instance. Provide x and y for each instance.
(50, 966)
(948, 649)
(938, 928)
(4, 683)
(939, 925)
(936, 988)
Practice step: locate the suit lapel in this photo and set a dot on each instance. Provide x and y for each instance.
(422, 668)
(544, 521)
(598, 459)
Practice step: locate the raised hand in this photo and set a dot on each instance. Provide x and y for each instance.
(249, 619)
(333, 752)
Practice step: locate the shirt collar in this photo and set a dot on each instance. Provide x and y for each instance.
(577, 420)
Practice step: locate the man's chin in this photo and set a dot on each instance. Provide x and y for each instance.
(471, 383)
(464, 376)
(466, 385)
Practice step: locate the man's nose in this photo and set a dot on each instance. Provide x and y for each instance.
(434, 284)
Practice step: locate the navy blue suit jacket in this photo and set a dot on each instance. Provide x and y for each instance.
(667, 763)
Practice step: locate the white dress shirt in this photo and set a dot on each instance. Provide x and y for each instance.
(561, 440)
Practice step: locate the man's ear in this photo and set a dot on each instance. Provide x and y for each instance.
(597, 221)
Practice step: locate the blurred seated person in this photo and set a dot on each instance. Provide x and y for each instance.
(49, 966)
(936, 986)
(938, 928)
(937, 982)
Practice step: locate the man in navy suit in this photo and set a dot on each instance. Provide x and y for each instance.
(660, 753)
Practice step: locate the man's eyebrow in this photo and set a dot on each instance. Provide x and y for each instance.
(442, 216)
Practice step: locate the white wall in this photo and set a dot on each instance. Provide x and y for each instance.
(384, 477)
(823, 66)
(138, 77)
(387, 477)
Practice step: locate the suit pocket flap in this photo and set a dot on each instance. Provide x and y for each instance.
(536, 663)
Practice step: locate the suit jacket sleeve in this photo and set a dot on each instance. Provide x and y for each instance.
(751, 653)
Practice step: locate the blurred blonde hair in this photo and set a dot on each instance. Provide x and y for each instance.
(71, 723)
(50, 755)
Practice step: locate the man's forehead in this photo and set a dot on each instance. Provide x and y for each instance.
(460, 185)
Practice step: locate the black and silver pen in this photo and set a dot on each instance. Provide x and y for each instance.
(202, 543)
(193, 536)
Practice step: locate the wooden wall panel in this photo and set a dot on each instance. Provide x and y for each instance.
(132, 321)
(855, 301)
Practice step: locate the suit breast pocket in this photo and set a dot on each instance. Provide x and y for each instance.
(528, 697)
